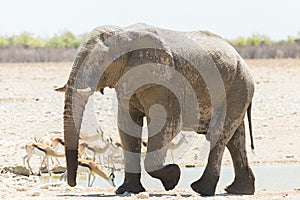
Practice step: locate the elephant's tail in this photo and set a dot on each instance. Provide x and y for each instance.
(250, 124)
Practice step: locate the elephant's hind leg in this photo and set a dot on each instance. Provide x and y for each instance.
(218, 139)
(206, 185)
(244, 178)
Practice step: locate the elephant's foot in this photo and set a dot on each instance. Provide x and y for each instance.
(168, 175)
(242, 186)
(131, 184)
(131, 188)
(205, 186)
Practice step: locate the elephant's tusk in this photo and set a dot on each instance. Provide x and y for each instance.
(85, 92)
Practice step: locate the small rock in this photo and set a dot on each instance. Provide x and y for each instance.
(58, 170)
(53, 189)
(44, 169)
(142, 195)
(46, 187)
(189, 166)
(289, 156)
(19, 170)
(35, 194)
(21, 189)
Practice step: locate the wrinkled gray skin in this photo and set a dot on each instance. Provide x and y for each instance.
(238, 85)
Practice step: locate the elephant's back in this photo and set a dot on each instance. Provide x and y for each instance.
(201, 49)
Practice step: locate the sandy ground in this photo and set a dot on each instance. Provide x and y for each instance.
(29, 107)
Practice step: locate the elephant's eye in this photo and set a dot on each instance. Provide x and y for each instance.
(100, 60)
(105, 36)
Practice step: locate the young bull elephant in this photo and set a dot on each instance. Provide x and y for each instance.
(178, 81)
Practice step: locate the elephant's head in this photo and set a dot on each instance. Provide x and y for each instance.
(103, 58)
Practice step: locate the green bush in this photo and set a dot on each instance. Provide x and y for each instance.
(293, 39)
(240, 41)
(258, 39)
(3, 42)
(26, 39)
(290, 39)
(254, 40)
(67, 39)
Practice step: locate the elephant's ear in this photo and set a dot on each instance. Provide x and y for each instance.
(151, 49)
(142, 46)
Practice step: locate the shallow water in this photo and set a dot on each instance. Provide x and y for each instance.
(270, 177)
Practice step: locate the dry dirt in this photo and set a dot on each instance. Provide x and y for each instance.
(29, 107)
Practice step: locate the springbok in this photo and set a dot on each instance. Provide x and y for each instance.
(172, 146)
(95, 148)
(56, 140)
(48, 152)
(30, 151)
(96, 169)
(115, 148)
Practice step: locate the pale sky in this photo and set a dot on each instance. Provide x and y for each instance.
(228, 18)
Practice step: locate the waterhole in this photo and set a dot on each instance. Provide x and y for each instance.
(270, 177)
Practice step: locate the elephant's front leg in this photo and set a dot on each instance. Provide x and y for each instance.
(156, 153)
(131, 142)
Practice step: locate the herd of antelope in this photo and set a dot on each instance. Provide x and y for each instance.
(94, 153)
(89, 155)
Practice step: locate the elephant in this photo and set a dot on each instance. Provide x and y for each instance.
(178, 81)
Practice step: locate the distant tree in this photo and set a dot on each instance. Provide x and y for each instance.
(26, 39)
(66, 39)
(11, 40)
(258, 39)
(290, 39)
(3, 42)
(297, 38)
(240, 41)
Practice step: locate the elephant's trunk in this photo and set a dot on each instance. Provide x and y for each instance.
(73, 113)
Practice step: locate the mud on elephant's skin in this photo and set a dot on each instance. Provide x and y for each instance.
(216, 75)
